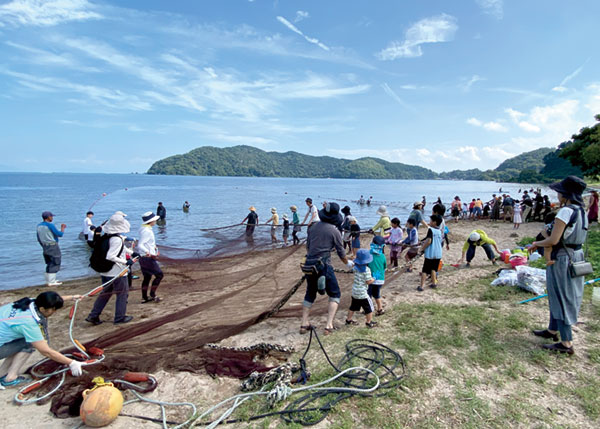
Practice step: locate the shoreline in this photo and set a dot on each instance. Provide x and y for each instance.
(188, 285)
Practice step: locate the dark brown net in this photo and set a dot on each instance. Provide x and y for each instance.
(206, 298)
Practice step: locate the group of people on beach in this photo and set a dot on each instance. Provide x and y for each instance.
(113, 254)
(563, 241)
(24, 325)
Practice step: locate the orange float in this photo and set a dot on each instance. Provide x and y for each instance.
(101, 404)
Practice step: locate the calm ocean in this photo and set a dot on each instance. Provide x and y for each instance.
(215, 201)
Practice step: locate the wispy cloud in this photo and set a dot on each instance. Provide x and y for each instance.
(301, 15)
(47, 58)
(490, 126)
(45, 13)
(492, 7)
(315, 86)
(468, 83)
(111, 98)
(562, 85)
(295, 29)
(389, 91)
(435, 29)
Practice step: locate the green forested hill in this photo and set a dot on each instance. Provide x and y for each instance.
(540, 165)
(250, 161)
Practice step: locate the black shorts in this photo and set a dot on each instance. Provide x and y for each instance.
(431, 265)
(366, 304)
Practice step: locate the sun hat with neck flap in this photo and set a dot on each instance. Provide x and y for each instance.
(117, 224)
(330, 213)
(571, 187)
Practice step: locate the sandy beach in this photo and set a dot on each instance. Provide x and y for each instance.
(173, 350)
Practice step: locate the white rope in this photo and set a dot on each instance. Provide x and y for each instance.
(285, 393)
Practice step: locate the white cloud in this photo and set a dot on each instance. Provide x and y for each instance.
(469, 153)
(562, 86)
(295, 29)
(490, 126)
(44, 13)
(593, 104)
(469, 83)
(435, 29)
(495, 126)
(47, 58)
(515, 115)
(475, 122)
(389, 91)
(529, 127)
(492, 7)
(107, 97)
(301, 15)
(314, 86)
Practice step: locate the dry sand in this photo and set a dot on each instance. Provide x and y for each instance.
(190, 285)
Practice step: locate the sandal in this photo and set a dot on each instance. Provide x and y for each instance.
(420, 289)
(15, 382)
(351, 322)
(371, 324)
(433, 285)
(379, 312)
(305, 329)
(328, 331)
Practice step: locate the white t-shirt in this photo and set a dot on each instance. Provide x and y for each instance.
(565, 214)
(87, 222)
(312, 211)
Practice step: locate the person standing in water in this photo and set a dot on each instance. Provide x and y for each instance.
(186, 207)
(87, 231)
(161, 212)
(252, 219)
(47, 236)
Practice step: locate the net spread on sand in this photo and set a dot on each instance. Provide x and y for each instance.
(208, 296)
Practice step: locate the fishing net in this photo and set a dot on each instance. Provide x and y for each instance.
(208, 295)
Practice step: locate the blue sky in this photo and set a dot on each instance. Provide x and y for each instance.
(107, 86)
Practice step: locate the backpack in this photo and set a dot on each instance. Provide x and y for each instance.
(98, 261)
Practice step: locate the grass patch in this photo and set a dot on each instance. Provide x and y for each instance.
(525, 241)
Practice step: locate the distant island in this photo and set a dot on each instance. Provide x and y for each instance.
(537, 166)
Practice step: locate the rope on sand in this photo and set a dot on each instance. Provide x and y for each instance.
(89, 358)
(356, 380)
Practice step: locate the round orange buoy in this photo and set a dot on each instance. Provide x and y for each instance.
(101, 405)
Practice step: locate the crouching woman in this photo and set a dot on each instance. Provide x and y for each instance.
(23, 328)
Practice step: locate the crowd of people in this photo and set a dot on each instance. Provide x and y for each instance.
(23, 324)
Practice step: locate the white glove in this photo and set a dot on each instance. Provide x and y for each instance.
(75, 368)
(350, 264)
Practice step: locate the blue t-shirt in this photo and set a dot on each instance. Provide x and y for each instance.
(16, 324)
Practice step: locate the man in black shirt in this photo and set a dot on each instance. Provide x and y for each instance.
(252, 219)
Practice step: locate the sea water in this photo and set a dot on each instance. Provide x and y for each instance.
(215, 201)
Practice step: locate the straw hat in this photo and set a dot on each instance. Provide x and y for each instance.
(252, 209)
(273, 210)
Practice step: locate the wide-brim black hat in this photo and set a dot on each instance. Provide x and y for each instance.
(571, 187)
(346, 210)
(330, 214)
